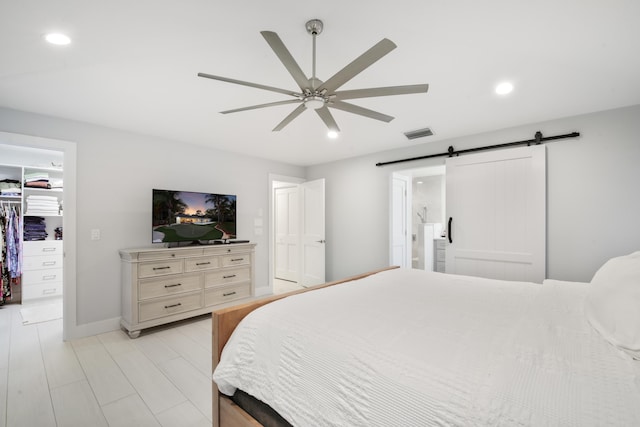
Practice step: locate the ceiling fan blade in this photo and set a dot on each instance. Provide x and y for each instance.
(381, 91)
(355, 109)
(383, 47)
(286, 58)
(328, 119)
(295, 113)
(256, 85)
(269, 104)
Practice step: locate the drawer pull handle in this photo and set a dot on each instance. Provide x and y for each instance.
(173, 286)
(229, 293)
(161, 268)
(229, 276)
(173, 305)
(203, 263)
(48, 249)
(51, 277)
(237, 259)
(46, 263)
(48, 291)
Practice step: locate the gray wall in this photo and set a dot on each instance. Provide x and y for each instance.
(593, 204)
(592, 194)
(116, 171)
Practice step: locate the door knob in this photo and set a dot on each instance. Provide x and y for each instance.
(321, 241)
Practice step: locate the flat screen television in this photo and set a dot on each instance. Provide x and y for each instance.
(188, 216)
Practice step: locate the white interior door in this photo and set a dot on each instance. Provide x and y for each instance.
(496, 211)
(400, 221)
(313, 232)
(286, 233)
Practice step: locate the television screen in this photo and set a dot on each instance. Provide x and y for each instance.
(187, 216)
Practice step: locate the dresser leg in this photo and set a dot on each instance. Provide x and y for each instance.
(134, 334)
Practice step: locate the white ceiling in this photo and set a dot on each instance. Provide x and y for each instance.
(132, 65)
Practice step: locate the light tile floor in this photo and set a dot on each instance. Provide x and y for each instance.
(161, 378)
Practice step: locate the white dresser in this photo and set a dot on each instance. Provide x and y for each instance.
(42, 263)
(167, 284)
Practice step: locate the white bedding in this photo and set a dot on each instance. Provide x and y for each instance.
(414, 348)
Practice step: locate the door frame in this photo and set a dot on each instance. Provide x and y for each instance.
(274, 180)
(425, 170)
(68, 148)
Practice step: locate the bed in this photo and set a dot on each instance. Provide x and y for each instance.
(404, 347)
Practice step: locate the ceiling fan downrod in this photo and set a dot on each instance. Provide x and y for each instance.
(314, 27)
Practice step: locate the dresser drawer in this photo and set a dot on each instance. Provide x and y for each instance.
(201, 263)
(223, 294)
(42, 247)
(238, 259)
(155, 255)
(42, 276)
(41, 290)
(440, 255)
(228, 275)
(41, 262)
(169, 285)
(440, 243)
(159, 268)
(161, 307)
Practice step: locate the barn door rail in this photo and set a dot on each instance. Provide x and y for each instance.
(538, 139)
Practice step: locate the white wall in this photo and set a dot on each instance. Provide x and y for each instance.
(116, 172)
(592, 197)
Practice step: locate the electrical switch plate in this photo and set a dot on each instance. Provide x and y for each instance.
(95, 234)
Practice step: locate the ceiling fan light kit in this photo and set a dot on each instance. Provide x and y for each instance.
(320, 96)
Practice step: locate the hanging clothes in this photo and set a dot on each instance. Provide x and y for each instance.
(11, 249)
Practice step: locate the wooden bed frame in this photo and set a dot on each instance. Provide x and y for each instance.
(225, 412)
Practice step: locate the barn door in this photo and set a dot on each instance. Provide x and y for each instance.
(496, 214)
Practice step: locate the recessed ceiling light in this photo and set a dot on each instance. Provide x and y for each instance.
(504, 88)
(332, 134)
(57, 38)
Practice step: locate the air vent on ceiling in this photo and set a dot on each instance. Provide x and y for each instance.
(420, 133)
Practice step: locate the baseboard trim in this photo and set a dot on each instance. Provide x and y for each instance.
(93, 328)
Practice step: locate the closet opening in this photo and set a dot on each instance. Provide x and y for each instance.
(37, 266)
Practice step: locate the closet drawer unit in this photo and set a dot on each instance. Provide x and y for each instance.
(440, 255)
(236, 259)
(160, 268)
(224, 294)
(41, 247)
(162, 307)
(169, 285)
(201, 263)
(41, 290)
(30, 277)
(228, 275)
(41, 262)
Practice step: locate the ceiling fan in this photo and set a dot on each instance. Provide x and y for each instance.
(318, 95)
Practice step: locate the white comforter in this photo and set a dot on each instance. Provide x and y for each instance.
(413, 348)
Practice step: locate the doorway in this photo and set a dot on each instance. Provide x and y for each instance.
(417, 216)
(297, 230)
(495, 210)
(25, 150)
